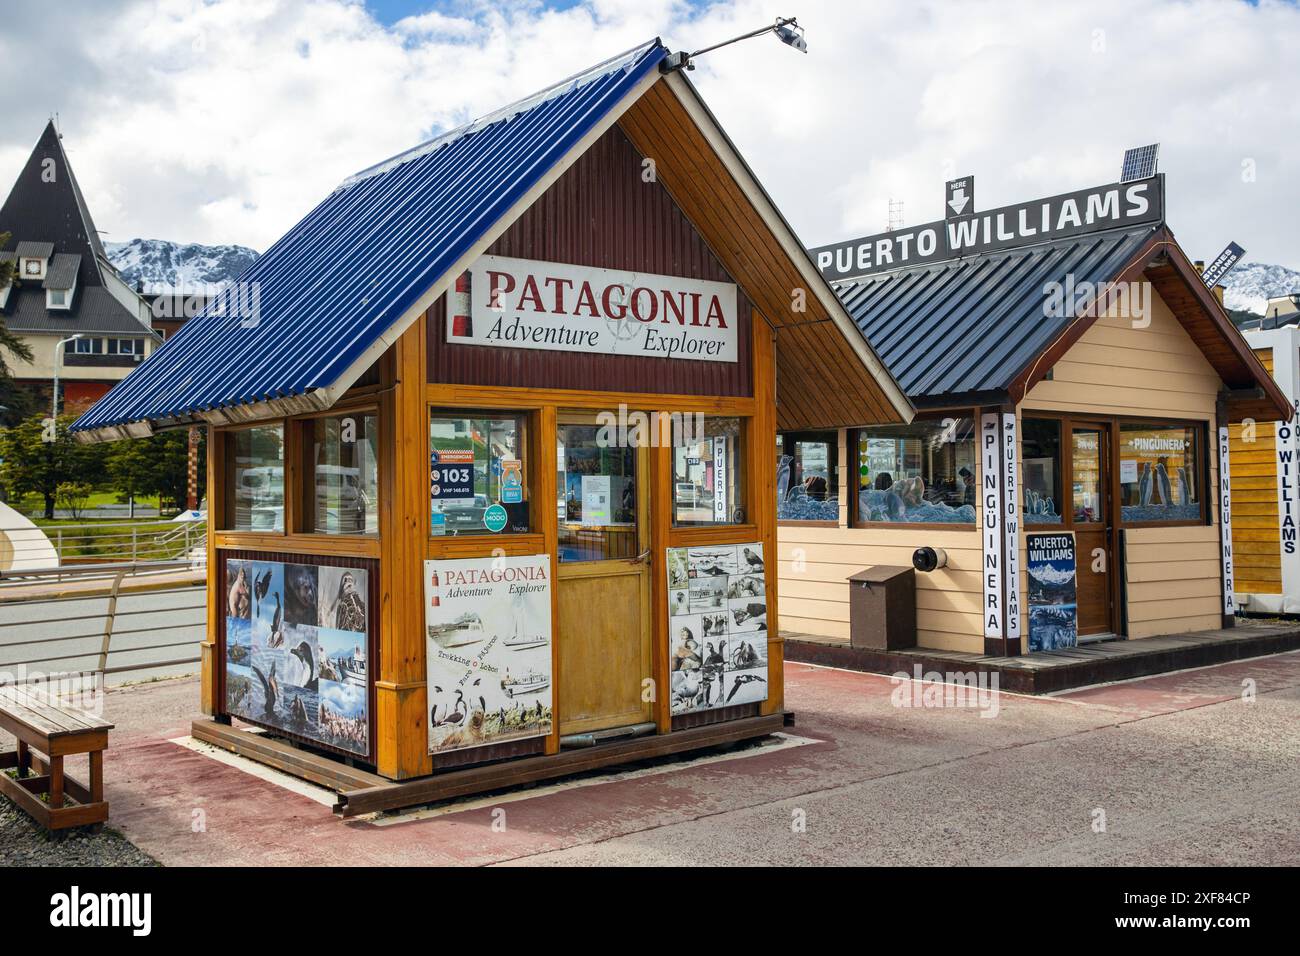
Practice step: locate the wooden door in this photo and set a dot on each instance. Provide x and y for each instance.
(603, 582)
(1090, 473)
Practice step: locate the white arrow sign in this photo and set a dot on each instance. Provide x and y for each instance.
(959, 201)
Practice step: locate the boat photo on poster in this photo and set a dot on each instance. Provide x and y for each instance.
(717, 626)
(296, 640)
(488, 650)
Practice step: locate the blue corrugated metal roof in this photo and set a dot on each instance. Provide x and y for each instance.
(335, 283)
(970, 326)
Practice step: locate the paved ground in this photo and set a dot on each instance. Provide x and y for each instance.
(1184, 771)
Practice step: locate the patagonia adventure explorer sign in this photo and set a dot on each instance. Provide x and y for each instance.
(526, 304)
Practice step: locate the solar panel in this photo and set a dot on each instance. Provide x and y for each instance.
(1139, 163)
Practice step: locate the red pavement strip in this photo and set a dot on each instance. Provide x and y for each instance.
(155, 786)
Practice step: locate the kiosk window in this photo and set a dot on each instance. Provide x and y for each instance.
(1159, 472)
(1041, 455)
(344, 476)
(254, 469)
(924, 472)
(596, 492)
(807, 485)
(708, 472)
(477, 470)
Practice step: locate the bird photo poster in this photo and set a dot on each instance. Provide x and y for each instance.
(488, 650)
(717, 626)
(296, 640)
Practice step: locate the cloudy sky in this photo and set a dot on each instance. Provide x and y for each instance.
(224, 121)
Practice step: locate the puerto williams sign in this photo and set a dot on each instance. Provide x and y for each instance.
(1117, 206)
(526, 304)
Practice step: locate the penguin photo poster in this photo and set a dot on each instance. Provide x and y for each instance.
(717, 626)
(488, 650)
(284, 671)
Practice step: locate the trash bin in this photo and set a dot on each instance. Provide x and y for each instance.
(882, 608)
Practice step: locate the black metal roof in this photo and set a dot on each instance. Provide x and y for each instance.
(62, 272)
(35, 250)
(94, 310)
(965, 328)
(45, 215)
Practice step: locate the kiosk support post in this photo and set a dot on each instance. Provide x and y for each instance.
(401, 745)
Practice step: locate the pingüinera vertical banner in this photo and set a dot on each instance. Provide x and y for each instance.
(991, 522)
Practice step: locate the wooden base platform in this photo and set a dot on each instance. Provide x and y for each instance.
(360, 792)
(1045, 672)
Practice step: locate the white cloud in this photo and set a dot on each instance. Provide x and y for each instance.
(225, 121)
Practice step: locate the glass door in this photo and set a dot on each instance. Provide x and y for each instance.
(1091, 521)
(604, 586)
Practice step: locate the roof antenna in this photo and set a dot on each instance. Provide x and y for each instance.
(787, 30)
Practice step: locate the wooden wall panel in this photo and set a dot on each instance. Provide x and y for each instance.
(601, 213)
(1256, 550)
(814, 563)
(1173, 580)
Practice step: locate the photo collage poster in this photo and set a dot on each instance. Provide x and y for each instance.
(488, 650)
(717, 626)
(296, 648)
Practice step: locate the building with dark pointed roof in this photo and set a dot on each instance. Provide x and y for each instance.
(65, 286)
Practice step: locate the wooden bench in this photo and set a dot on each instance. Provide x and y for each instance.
(47, 733)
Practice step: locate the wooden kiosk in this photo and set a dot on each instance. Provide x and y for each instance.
(1065, 479)
(490, 460)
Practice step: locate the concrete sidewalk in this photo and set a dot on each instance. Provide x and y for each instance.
(1182, 770)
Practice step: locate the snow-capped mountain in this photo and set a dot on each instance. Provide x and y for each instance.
(1250, 285)
(1049, 574)
(166, 266)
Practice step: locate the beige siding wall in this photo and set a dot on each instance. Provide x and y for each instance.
(814, 565)
(1173, 575)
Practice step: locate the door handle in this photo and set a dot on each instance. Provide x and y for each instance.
(641, 558)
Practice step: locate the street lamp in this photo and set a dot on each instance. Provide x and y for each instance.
(787, 30)
(58, 360)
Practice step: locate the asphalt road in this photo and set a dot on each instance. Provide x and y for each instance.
(1170, 770)
(67, 635)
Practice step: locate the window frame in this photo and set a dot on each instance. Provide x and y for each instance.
(226, 475)
(527, 450)
(742, 468)
(1201, 431)
(785, 439)
(1112, 425)
(305, 483)
(1063, 480)
(854, 437)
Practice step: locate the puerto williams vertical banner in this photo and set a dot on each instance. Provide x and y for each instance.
(488, 650)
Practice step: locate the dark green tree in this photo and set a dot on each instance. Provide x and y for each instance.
(15, 403)
(37, 455)
(158, 465)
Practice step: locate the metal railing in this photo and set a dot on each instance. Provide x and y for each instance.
(112, 630)
(129, 542)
